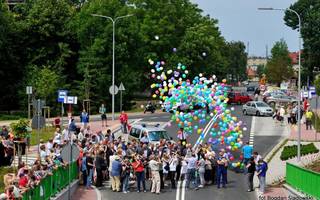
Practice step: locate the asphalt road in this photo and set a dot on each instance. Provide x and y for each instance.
(236, 187)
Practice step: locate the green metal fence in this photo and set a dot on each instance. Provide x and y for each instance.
(51, 185)
(303, 180)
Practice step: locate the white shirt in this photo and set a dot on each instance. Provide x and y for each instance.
(80, 136)
(173, 164)
(282, 112)
(154, 165)
(112, 158)
(191, 162)
(184, 167)
(65, 134)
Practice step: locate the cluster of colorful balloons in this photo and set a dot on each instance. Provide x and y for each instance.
(197, 102)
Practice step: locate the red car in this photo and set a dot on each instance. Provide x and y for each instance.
(238, 97)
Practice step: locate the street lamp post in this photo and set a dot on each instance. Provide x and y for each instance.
(114, 20)
(299, 77)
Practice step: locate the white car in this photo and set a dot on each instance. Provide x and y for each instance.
(258, 108)
(155, 133)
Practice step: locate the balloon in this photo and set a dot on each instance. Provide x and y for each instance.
(204, 54)
(174, 49)
(156, 37)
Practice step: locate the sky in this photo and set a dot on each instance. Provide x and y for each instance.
(240, 20)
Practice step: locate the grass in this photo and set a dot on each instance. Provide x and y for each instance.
(4, 117)
(45, 135)
(291, 151)
(3, 171)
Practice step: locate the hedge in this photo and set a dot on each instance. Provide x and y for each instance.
(289, 152)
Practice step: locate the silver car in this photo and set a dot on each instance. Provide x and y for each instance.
(258, 108)
(273, 100)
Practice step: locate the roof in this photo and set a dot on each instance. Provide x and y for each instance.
(148, 127)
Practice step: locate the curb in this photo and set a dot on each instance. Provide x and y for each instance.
(275, 148)
(294, 191)
(98, 193)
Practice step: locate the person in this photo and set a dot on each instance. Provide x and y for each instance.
(115, 174)
(256, 157)
(144, 139)
(305, 104)
(222, 170)
(126, 168)
(282, 113)
(251, 168)
(201, 168)
(124, 122)
(309, 116)
(191, 170)
(289, 114)
(138, 167)
(72, 128)
(65, 133)
(102, 111)
(172, 170)
(155, 176)
(4, 132)
(57, 122)
(247, 153)
(90, 166)
(182, 135)
(99, 165)
(84, 118)
(261, 173)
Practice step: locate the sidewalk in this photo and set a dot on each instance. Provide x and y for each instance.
(277, 168)
(306, 135)
(92, 117)
(82, 193)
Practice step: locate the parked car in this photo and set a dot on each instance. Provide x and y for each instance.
(267, 94)
(238, 97)
(272, 100)
(258, 108)
(155, 133)
(251, 89)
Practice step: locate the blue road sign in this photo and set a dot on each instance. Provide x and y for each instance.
(61, 95)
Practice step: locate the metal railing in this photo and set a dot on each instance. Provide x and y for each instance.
(52, 184)
(303, 180)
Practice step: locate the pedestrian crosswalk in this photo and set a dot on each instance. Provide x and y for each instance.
(30, 159)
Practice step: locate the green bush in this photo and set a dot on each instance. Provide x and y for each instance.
(289, 152)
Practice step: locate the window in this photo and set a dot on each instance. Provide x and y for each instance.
(135, 132)
(248, 104)
(261, 104)
(157, 135)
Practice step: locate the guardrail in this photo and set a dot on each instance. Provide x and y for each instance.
(303, 180)
(52, 185)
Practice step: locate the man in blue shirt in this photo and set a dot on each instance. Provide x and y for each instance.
(222, 170)
(261, 172)
(115, 174)
(247, 154)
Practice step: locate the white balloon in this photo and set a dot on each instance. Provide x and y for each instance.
(156, 37)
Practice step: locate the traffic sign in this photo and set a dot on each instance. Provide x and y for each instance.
(38, 107)
(70, 100)
(61, 95)
(113, 90)
(38, 122)
(70, 153)
(29, 90)
(121, 87)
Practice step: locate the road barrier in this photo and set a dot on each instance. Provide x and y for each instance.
(52, 184)
(303, 180)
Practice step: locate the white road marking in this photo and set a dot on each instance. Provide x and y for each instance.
(178, 191)
(183, 192)
(253, 123)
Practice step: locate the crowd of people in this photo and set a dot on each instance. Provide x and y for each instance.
(130, 164)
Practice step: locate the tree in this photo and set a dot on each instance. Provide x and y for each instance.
(11, 70)
(237, 60)
(309, 11)
(261, 69)
(279, 66)
(45, 81)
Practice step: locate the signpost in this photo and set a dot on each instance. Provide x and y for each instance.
(29, 93)
(61, 95)
(70, 100)
(121, 88)
(113, 90)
